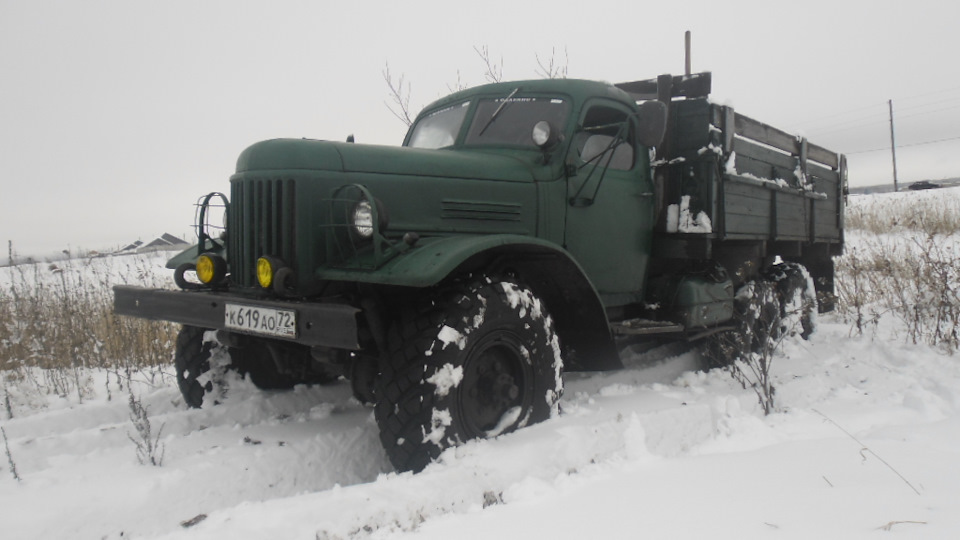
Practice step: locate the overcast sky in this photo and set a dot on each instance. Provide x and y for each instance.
(115, 116)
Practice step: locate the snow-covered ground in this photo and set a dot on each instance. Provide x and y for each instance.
(864, 444)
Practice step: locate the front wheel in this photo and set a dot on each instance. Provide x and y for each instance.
(481, 361)
(196, 351)
(201, 362)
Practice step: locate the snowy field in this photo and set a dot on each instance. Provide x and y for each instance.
(864, 444)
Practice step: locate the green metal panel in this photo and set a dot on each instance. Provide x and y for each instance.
(610, 232)
(433, 259)
(190, 255)
(444, 163)
(313, 155)
(286, 154)
(552, 210)
(285, 212)
(692, 300)
(701, 302)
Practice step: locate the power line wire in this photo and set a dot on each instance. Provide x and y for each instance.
(923, 143)
(819, 132)
(860, 123)
(811, 122)
(816, 120)
(919, 105)
(931, 93)
(918, 113)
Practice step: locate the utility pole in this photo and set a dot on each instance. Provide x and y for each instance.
(687, 56)
(893, 146)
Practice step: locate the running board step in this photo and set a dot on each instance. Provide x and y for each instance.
(646, 327)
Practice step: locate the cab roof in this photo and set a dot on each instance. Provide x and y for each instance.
(577, 89)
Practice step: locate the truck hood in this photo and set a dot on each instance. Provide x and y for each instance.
(306, 154)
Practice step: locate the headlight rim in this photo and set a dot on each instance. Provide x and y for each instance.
(211, 269)
(379, 219)
(364, 230)
(267, 267)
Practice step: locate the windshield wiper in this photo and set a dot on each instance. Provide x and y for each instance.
(579, 201)
(497, 112)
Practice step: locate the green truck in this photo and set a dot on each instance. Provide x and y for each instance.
(522, 230)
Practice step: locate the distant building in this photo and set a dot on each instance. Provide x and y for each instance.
(132, 248)
(165, 242)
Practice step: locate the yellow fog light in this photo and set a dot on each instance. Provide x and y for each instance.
(265, 270)
(211, 268)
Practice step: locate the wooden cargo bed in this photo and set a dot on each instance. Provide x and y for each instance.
(753, 182)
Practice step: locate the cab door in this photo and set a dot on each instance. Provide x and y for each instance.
(610, 202)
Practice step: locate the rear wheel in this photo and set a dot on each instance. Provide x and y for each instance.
(480, 361)
(798, 298)
(782, 302)
(756, 322)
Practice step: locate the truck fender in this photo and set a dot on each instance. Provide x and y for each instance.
(190, 254)
(545, 267)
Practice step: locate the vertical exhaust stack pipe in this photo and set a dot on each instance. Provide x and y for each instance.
(686, 70)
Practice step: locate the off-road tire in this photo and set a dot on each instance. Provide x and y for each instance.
(782, 302)
(757, 317)
(255, 361)
(477, 360)
(191, 360)
(798, 299)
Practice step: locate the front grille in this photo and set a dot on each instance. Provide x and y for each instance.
(261, 221)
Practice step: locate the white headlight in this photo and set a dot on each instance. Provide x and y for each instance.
(541, 133)
(363, 219)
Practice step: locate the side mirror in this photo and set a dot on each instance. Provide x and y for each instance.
(544, 135)
(652, 118)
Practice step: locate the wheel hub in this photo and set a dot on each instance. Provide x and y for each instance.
(494, 379)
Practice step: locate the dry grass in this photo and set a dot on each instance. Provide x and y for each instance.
(57, 324)
(934, 212)
(903, 261)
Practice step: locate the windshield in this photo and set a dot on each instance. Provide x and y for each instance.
(440, 128)
(510, 121)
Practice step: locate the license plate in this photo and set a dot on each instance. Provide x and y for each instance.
(261, 320)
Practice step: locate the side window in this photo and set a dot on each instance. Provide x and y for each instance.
(606, 138)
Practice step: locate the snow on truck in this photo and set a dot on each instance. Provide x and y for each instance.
(523, 229)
